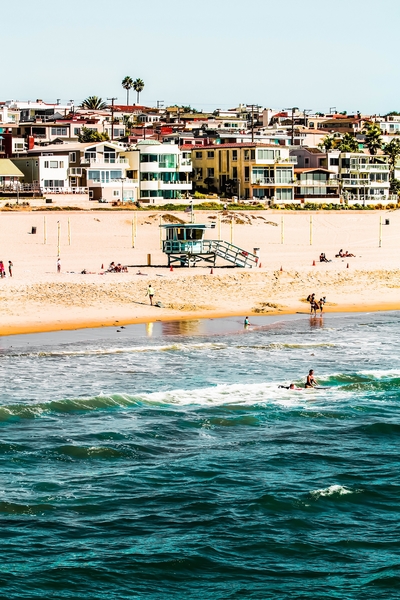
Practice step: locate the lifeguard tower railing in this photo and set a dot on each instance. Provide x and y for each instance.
(187, 252)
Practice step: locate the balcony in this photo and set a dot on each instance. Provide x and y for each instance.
(100, 160)
(316, 183)
(355, 182)
(270, 181)
(366, 167)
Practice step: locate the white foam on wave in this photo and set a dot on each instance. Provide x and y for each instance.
(132, 349)
(233, 394)
(332, 490)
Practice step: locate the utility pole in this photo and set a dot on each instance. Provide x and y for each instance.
(292, 134)
(112, 117)
(252, 106)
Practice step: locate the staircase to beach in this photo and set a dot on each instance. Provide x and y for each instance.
(234, 254)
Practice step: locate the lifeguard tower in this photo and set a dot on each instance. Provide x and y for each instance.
(184, 244)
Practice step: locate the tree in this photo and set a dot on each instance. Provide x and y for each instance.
(91, 135)
(138, 86)
(328, 143)
(373, 138)
(392, 149)
(348, 143)
(93, 103)
(127, 84)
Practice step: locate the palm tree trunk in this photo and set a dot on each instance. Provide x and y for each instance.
(138, 94)
(127, 97)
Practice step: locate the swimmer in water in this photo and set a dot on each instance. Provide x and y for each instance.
(246, 322)
(311, 381)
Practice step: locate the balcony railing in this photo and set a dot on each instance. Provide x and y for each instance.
(316, 183)
(270, 181)
(365, 167)
(103, 161)
(65, 190)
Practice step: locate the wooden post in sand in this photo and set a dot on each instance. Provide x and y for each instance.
(219, 227)
(282, 230)
(44, 231)
(133, 233)
(232, 230)
(58, 237)
(311, 230)
(380, 231)
(69, 231)
(160, 232)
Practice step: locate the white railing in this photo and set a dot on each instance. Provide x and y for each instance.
(185, 162)
(270, 181)
(363, 182)
(101, 161)
(365, 167)
(65, 190)
(316, 183)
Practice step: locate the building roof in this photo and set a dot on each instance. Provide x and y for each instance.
(8, 169)
(235, 145)
(309, 169)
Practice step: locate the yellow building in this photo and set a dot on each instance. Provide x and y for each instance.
(249, 170)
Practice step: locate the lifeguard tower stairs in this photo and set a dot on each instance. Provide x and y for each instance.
(185, 246)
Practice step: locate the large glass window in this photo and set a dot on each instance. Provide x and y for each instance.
(284, 194)
(283, 175)
(115, 175)
(149, 158)
(94, 176)
(265, 154)
(58, 131)
(168, 161)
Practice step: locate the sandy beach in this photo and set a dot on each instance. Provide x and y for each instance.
(37, 298)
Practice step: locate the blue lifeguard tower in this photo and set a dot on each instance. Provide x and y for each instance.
(184, 244)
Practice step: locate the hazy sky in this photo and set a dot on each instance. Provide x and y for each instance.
(312, 54)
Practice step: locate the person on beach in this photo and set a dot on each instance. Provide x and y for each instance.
(311, 381)
(321, 304)
(2, 270)
(246, 322)
(339, 254)
(150, 293)
(10, 267)
(58, 265)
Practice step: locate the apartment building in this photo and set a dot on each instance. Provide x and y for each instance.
(364, 179)
(316, 184)
(249, 170)
(164, 172)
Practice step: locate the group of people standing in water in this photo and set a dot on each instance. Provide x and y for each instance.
(316, 304)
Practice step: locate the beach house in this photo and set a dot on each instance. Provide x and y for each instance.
(248, 170)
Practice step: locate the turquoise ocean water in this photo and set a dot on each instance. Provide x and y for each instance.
(163, 461)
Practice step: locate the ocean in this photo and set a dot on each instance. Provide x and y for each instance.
(164, 461)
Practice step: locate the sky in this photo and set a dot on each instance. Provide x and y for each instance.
(209, 54)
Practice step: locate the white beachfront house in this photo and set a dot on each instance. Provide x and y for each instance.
(164, 172)
(49, 173)
(364, 179)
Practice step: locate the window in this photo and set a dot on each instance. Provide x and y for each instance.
(61, 164)
(234, 172)
(334, 162)
(53, 183)
(306, 161)
(115, 175)
(149, 158)
(168, 161)
(53, 164)
(210, 154)
(253, 154)
(186, 155)
(199, 155)
(76, 171)
(115, 192)
(199, 173)
(77, 130)
(58, 131)
(265, 154)
(283, 175)
(210, 173)
(72, 157)
(234, 155)
(247, 173)
(94, 176)
(73, 181)
(284, 194)
(246, 155)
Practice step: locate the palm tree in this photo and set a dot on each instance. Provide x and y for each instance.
(328, 143)
(348, 143)
(127, 84)
(93, 103)
(138, 86)
(373, 137)
(392, 149)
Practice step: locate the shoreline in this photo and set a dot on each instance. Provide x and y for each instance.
(75, 325)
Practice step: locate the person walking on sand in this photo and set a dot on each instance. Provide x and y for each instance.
(58, 265)
(10, 267)
(2, 270)
(150, 293)
(311, 381)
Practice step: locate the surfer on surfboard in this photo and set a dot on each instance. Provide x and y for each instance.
(311, 381)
